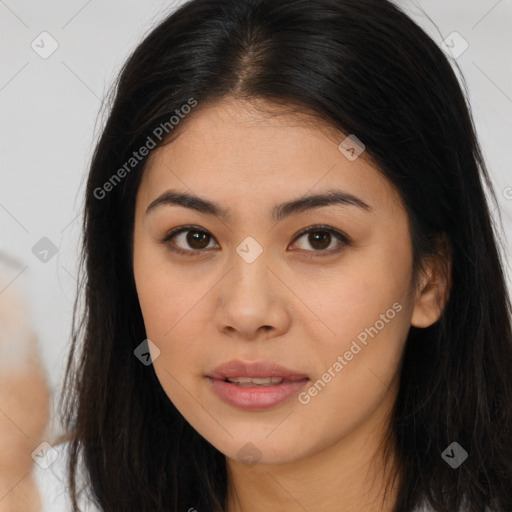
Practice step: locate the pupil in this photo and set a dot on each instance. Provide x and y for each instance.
(323, 237)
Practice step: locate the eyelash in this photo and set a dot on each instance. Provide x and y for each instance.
(341, 237)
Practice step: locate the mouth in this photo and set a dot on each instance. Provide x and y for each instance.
(255, 385)
(248, 382)
(257, 372)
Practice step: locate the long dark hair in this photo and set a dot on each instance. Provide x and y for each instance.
(368, 69)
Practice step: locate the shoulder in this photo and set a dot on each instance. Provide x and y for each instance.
(51, 478)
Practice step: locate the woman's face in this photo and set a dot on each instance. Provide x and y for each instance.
(264, 275)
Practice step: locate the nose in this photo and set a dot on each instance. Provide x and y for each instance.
(252, 302)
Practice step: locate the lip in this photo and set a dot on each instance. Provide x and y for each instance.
(258, 369)
(255, 397)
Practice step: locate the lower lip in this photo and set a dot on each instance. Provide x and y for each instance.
(256, 397)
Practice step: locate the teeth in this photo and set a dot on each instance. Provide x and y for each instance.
(250, 381)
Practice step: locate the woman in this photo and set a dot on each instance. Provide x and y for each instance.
(294, 295)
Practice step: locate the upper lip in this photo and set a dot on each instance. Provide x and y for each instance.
(257, 369)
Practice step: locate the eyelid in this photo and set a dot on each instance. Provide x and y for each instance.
(339, 235)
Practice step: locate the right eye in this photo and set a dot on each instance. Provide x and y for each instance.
(188, 240)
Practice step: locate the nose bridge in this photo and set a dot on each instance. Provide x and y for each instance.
(250, 272)
(248, 297)
(250, 250)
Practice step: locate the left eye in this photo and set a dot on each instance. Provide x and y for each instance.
(197, 240)
(320, 238)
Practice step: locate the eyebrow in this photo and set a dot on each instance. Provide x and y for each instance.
(279, 212)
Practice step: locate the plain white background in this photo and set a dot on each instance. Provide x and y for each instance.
(49, 111)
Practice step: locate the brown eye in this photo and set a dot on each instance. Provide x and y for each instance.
(188, 240)
(321, 240)
(191, 241)
(198, 239)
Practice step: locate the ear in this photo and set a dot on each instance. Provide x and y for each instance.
(434, 284)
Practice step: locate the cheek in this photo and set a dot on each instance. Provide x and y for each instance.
(168, 303)
(356, 366)
(171, 299)
(367, 306)
(166, 293)
(355, 293)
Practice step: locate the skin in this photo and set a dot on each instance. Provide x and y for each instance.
(24, 404)
(204, 310)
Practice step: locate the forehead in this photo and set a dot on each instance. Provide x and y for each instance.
(241, 152)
